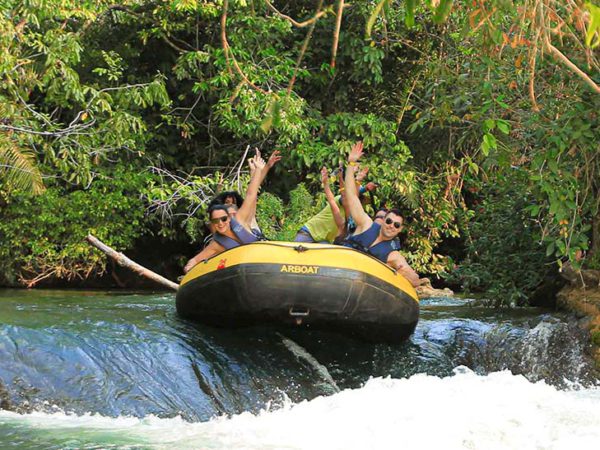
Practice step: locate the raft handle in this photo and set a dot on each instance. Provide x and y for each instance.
(300, 248)
(299, 312)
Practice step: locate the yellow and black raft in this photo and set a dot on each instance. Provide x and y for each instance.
(317, 285)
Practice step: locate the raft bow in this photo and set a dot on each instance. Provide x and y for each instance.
(313, 285)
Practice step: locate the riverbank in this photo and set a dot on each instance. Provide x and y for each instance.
(582, 298)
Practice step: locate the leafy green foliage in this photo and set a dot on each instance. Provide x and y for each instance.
(43, 236)
(503, 257)
(445, 95)
(281, 222)
(74, 116)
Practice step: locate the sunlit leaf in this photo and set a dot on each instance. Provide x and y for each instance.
(374, 15)
(409, 19)
(442, 11)
(593, 27)
(273, 116)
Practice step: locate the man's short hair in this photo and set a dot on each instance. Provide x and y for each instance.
(396, 212)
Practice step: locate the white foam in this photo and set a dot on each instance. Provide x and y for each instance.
(464, 411)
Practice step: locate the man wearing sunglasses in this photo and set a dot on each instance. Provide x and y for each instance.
(370, 237)
(230, 231)
(379, 218)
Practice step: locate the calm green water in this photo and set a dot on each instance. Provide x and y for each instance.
(121, 370)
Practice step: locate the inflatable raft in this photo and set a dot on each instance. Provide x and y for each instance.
(314, 285)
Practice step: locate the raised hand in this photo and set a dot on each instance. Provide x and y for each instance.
(356, 152)
(259, 163)
(362, 174)
(273, 159)
(324, 176)
(371, 186)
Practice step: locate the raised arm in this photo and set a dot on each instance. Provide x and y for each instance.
(335, 209)
(363, 221)
(248, 209)
(343, 194)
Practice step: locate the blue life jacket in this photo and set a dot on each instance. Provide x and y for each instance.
(243, 236)
(363, 241)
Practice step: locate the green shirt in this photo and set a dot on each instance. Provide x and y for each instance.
(322, 227)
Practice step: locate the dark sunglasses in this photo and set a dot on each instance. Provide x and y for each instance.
(222, 219)
(396, 224)
(380, 216)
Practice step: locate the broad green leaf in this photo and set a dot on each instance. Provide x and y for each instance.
(409, 19)
(534, 210)
(485, 147)
(442, 11)
(503, 126)
(273, 116)
(489, 140)
(374, 15)
(594, 26)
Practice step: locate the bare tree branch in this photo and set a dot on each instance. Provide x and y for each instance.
(559, 56)
(227, 49)
(336, 32)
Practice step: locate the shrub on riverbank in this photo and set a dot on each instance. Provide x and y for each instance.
(43, 236)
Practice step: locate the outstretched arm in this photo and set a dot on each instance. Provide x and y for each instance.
(248, 209)
(343, 194)
(209, 251)
(398, 262)
(363, 221)
(335, 209)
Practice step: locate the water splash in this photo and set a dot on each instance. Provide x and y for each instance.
(496, 411)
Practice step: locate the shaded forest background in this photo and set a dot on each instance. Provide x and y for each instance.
(479, 118)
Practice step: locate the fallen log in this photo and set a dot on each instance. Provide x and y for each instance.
(124, 261)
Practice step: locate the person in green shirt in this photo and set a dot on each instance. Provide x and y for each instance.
(330, 222)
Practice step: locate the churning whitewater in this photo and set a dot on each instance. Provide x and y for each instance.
(495, 411)
(93, 370)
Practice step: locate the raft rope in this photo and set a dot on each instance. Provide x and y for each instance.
(300, 249)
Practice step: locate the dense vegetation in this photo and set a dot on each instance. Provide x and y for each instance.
(480, 120)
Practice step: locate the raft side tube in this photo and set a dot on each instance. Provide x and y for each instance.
(337, 300)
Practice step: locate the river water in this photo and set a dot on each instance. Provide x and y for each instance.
(98, 370)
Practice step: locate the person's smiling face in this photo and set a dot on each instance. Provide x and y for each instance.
(391, 226)
(220, 220)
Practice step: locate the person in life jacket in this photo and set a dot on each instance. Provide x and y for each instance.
(379, 218)
(370, 237)
(230, 232)
(324, 227)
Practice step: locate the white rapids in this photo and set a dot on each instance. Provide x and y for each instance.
(464, 411)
